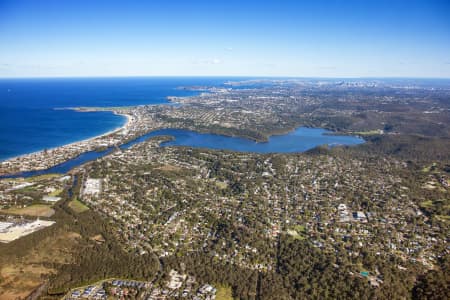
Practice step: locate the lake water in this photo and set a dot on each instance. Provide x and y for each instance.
(299, 140)
(32, 118)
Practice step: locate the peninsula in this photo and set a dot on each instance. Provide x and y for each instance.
(169, 222)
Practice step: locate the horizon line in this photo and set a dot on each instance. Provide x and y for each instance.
(221, 76)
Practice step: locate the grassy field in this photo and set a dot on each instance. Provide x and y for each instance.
(43, 177)
(20, 276)
(296, 235)
(368, 133)
(35, 210)
(297, 232)
(169, 168)
(221, 185)
(443, 218)
(56, 193)
(426, 204)
(300, 228)
(77, 206)
(224, 293)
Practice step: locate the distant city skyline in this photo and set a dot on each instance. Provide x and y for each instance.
(227, 38)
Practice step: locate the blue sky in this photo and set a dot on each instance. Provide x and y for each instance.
(256, 38)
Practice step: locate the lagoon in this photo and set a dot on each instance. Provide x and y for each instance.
(31, 118)
(299, 140)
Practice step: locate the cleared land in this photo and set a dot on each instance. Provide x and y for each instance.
(368, 133)
(20, 276)
(224, 293)
(35, 210)
(169, 168)
(221, 185)
(43, 177)
(56, 193)
(77, 206)
(15, 231)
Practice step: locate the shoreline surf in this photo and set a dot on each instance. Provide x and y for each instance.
(126, 124)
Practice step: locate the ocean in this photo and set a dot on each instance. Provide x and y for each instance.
(31, 119)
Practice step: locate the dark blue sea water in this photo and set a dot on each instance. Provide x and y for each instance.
(31, 118)
(29, 121)
(299, 140)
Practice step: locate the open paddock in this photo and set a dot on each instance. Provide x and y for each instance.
(36, 210)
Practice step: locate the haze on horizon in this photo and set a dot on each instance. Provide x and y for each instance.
(352, 38)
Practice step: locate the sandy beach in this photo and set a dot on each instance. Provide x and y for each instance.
(125, 126)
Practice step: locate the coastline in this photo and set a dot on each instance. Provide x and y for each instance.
(137, 123)
(127, 123)
(48, 158)
(34, 160)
